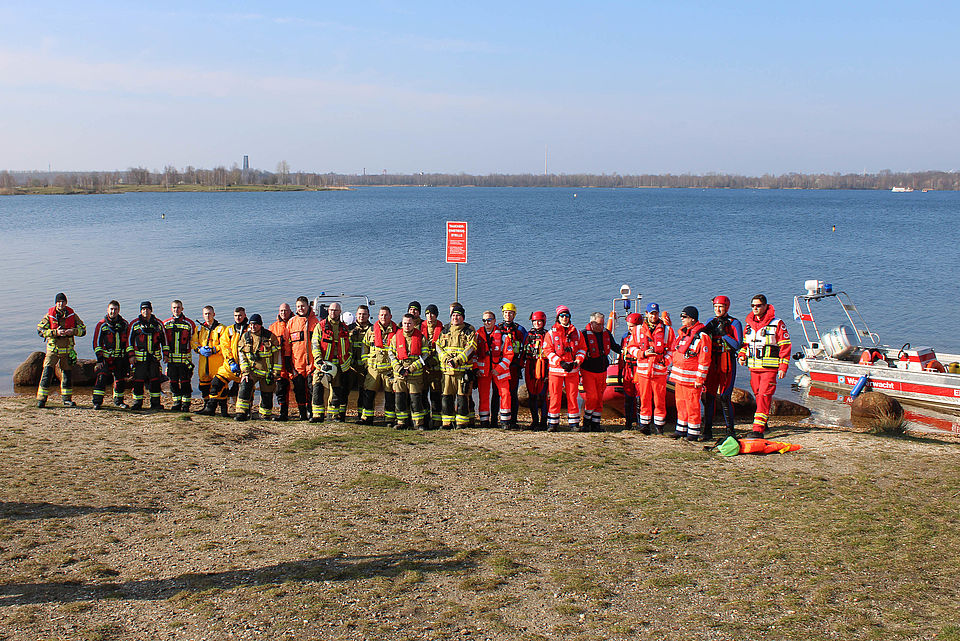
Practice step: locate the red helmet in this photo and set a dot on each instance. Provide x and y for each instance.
(541, 316)
(723, 300)
(634, 318)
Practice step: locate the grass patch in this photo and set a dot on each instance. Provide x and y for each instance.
(376, 480)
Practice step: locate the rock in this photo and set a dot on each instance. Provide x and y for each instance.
(741, 398)
(83, 375)
(28, 373)
(523, 396)
(877, 412)
(780, 407)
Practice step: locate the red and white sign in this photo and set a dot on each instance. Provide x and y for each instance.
(456, 242)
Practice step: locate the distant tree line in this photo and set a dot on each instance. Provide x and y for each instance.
(97, 181)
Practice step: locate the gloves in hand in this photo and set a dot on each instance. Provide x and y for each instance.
(206, 351)
(568, 366)
(235, 368)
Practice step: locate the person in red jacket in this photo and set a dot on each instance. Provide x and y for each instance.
(279, 331)
(495, 352)
(565, 350)
(766, 352)
(650, 346)
(628, 372)
(691, 363)
(593, 373)
(536, 371)
(299, 332)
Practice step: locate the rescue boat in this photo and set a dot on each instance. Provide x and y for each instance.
(839, 358)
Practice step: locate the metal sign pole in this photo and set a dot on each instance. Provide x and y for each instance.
(456, 282)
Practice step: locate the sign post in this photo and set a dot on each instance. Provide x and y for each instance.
(456, 251)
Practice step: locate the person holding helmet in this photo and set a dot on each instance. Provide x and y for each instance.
(282, 337)
(650, 346)
(455, 348)
(518, 334)
(593, 372)
(260, 364)
(565, 350)
(409, 350)
(628, 372)
(376, 360)
(110, 347)
(536, 366)
(766, 352)
(59, 327)
(229, 371)
(331, 357)
(146, 348)
(726, 335)
(206, 343)
(691, 362)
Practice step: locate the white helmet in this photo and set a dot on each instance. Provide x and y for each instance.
(348, 318)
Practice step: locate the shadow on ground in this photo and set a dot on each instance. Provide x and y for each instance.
(339, 568)
(15, 511)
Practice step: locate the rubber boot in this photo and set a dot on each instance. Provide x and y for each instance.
(155, 405)
(97, 406)
(41, 402)
(241, 416)
(223, 409)
(209, 408)
(658, 429)
(69, 403)
(707, 434)
(484, 425)
(304, 415)
(137, 405)
(282, 415)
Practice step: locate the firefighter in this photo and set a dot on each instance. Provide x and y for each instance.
(110, 348)
(179, 334)
(518, 333)
(726, 335)
(376, 360)
(536, 371)
(766, 352)
(408, 350)
(650, 345)
(494, 354)
(260, 364)
(565, 351)
(229, 371)
(358, 370)
(691, 362)
(59, 327)
(146, 347)
(279, 330)
(628, 372)
(206, 343)
(593, 372)
(415, 309)
(432, 375)
(330, 345)
(300, 330)
(455, 349)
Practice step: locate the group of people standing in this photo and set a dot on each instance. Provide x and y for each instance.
(426, 369)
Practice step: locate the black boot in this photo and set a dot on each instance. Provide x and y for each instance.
(176, 407)
(223, 409)
(209, 408)
(241, 416)
(137, 405)
(41, 402)
(282, 415)
(304, 415)
(707, 434)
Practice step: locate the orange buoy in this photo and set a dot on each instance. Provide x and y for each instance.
(934, 366)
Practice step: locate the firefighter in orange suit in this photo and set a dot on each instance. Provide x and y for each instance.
(692, 351)
(299, 330)
(206, 343)
(282, 338)
(565, 350)
(650, 345)
(495, 352)
(593, 373)
(766, 351)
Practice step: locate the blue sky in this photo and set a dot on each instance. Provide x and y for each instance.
(632, 87)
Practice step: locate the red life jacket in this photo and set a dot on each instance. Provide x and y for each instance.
(425, 330)
(378, 333)
(69, 319)
(593, 347)
(327, 337)
(416, 345)
(565, 338)
(686, 336)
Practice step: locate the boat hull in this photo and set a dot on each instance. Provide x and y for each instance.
(928, 388)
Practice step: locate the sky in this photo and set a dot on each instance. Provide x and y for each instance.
(494, 87)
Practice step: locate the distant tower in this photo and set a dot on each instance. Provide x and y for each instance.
(245, 175)
(246, 162)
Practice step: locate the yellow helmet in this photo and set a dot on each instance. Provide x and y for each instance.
(508, 307)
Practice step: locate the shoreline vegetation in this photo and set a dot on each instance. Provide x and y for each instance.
(190, 179)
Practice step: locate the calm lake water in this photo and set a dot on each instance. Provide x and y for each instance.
(896, 254)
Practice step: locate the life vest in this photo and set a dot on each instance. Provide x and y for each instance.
(69, 318)
(593, 345)
(416, 345)
(537, 365)
(763, 352)
(378, 334)
(658, 339)
(691, 355)
(519, 336)
(433, 334)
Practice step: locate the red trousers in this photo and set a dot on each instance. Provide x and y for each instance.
(629, 385)
(653, 399)
(764, 384)
(594, 384)
(484, 385)
(560, 384)
(688, 408)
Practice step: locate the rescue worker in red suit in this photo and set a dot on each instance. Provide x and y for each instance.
(536, 365)
(650, 345)
(593, 373)
(766, 352)
(565, 351)
(110, 347)
(280, 334)
(628, 372)
(495, 352)
(691, 362)
(726, 334)
(299, 330)
(178, 357)
(519, 334)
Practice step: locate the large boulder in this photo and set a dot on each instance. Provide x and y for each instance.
(523, 396)
(877, 412)
(743, 400)
(28, 373)
(780, 407)
(83, 374)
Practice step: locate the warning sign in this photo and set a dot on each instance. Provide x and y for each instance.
(456, 242)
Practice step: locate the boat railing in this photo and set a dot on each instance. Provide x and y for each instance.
(860, 327)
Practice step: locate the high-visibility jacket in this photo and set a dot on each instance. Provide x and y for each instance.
(331, 342)
(564, 344)
(208, 336)
(179, 334)
(49, 324)
(279, 330)
(692, 351)
(146, 339)
(495, 352)
(376, 343)
(408, 351)
(519, 335)
(299, 332)
(432, 333)
(357, 332)
(455, 348)
(110, 338)
(230, 342)
(259, 353)
(658, 338)
(766, 342)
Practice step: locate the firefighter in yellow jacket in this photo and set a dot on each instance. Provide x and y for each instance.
(376, 361)
(229, 371)
(409, 350)
(59, 327)
(330, 344)
(206, 343)
(455, 348)
(260, 363)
